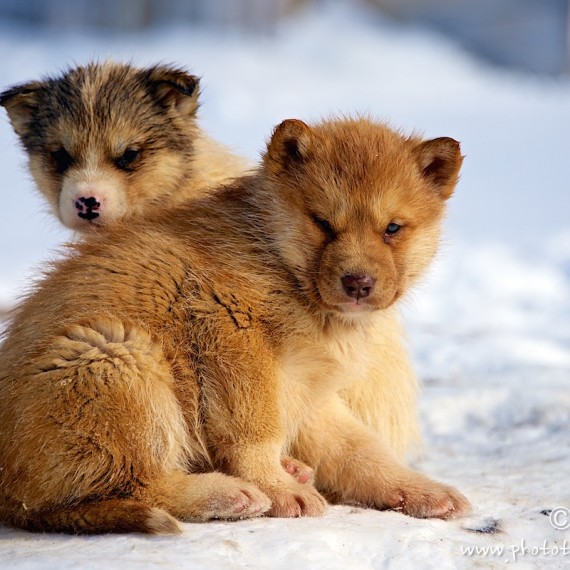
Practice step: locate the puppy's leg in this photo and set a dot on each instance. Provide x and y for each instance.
(242, 398)
(99, 442)
(353, 466)
(153, 509)
(201, 497)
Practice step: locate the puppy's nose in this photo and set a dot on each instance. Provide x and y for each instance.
(90, 202)
(87, 207)
(358, 286)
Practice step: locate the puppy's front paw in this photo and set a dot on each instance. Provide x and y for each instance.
(301, 472)
(295, 500)
(423, 498)
(235, 499)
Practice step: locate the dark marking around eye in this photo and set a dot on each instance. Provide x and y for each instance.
(62, 160)
(126, 160)
(324, 226)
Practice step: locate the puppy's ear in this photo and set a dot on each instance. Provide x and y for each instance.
(439, 161)
(290, 145)
(175, 88)
(21, 102)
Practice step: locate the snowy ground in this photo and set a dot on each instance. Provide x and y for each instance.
(490, 328)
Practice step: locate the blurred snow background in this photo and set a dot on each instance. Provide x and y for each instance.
(489, 328)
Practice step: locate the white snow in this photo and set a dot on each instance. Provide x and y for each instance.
(489, 328)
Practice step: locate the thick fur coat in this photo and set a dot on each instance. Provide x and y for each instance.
(108, 142)
(163, 370)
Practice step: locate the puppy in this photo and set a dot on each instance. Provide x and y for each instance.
(109, 141)
(219, 336)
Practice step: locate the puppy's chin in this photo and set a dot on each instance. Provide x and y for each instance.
(354, 307)
(346, 308)
(354, 310)
(77, 224)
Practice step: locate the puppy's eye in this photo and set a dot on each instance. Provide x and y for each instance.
(62, 160)
(125, 161)
(324, 226)
(392, 229)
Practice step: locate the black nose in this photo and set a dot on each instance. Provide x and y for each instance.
(358, 286)
(87, 207)
(90, 202)
(88, 215)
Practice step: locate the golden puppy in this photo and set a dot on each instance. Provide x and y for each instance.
(220, 336)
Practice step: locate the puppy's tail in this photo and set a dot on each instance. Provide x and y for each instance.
(110, 515)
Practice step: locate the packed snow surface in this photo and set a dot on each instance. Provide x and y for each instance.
(489, 328)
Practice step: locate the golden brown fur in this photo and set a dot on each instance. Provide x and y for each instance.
(77, 127)
(108, 141)
(218, 337)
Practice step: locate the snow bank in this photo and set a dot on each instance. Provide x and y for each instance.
(490, 328)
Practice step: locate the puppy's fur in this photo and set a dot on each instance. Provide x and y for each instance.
(218, 336)
(80, 131)
(108, 141)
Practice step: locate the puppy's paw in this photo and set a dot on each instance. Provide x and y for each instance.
(296, 500)
(423, 498)
(236, 499)
(301, 473)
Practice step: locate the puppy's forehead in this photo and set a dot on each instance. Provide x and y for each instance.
(99, 101)
(363, 162)
(101, 91)
(367, 173)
